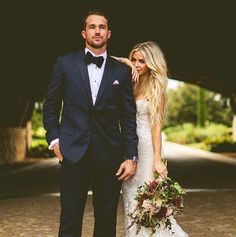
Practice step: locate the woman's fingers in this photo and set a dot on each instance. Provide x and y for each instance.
(135, 75)
(162, 171)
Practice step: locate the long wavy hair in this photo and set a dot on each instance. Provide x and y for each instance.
(154, 89)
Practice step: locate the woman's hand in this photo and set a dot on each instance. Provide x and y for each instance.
(160, 168)
(135, 75)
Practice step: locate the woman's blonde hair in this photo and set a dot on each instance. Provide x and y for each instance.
(155, 88)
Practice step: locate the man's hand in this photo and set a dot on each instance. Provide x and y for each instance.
(57, 152)
(127, 170)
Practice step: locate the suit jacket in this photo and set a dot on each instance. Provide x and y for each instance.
(109, 125)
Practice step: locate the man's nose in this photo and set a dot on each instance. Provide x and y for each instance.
(97, 30)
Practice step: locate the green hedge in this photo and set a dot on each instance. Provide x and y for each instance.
(187, 133)
(39, 133)
(221, 144)
(39, 148)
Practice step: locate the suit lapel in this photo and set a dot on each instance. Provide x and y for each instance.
(84, 73)
(105, 79)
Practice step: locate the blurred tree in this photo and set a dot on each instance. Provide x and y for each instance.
(201, 108)
(182, 106)
(37, 117)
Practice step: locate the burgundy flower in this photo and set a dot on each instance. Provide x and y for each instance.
(152, 185)
(142, 198)
(156, 202)
(140, 203)
(162, 213)
(177, 202)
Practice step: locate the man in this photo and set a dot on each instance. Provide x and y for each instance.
(96, 131)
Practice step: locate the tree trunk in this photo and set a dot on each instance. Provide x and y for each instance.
(201, 108)
(28, 135)
(13, 142)
(233, 106)
(234, 127)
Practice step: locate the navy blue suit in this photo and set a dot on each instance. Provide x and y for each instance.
(94, 139)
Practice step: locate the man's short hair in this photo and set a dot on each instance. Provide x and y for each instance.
(97, 12)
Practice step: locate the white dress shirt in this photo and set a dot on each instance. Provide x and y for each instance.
(95, 77)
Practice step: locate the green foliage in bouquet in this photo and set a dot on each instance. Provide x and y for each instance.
(156, 202)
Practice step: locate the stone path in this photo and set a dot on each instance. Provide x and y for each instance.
(29, 199)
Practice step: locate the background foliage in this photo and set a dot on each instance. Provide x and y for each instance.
(186, 105)
(182, 106)
(200, 118)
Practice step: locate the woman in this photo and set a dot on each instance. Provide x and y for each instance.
(150, 95)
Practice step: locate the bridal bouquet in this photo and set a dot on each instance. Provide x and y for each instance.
(156, 202)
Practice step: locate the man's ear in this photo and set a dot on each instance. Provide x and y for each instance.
(109, 34)
(83, 33)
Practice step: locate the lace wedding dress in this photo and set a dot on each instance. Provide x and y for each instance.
(144, 174)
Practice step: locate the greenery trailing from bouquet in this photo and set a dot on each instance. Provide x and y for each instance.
(156, 202)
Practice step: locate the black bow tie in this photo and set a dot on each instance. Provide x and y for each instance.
(89, 58)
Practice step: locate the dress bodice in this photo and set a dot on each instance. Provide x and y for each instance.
(143, 120)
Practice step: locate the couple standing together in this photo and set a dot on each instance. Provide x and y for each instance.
(109, 130)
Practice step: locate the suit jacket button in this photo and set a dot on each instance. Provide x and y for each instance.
(89, 133)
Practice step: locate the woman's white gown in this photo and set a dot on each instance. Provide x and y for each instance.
(144, 174)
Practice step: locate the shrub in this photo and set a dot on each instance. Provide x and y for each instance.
(220, 144)
(39, 148)
(39, 132)
(188, 133)
(179, 134)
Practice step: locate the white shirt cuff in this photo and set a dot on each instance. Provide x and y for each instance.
(52, 143)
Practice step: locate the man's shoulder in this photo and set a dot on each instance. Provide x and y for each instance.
(71, 54)
(119, 64)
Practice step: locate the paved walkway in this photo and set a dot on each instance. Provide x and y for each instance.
(29, 199)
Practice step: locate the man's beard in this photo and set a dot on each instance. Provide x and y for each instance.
(97, 46)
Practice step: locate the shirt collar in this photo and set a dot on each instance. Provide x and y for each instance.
(104, 55)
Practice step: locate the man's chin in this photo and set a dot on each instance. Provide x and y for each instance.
(98, 45)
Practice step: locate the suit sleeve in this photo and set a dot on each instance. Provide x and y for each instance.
(53, 103)
(128, 116)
